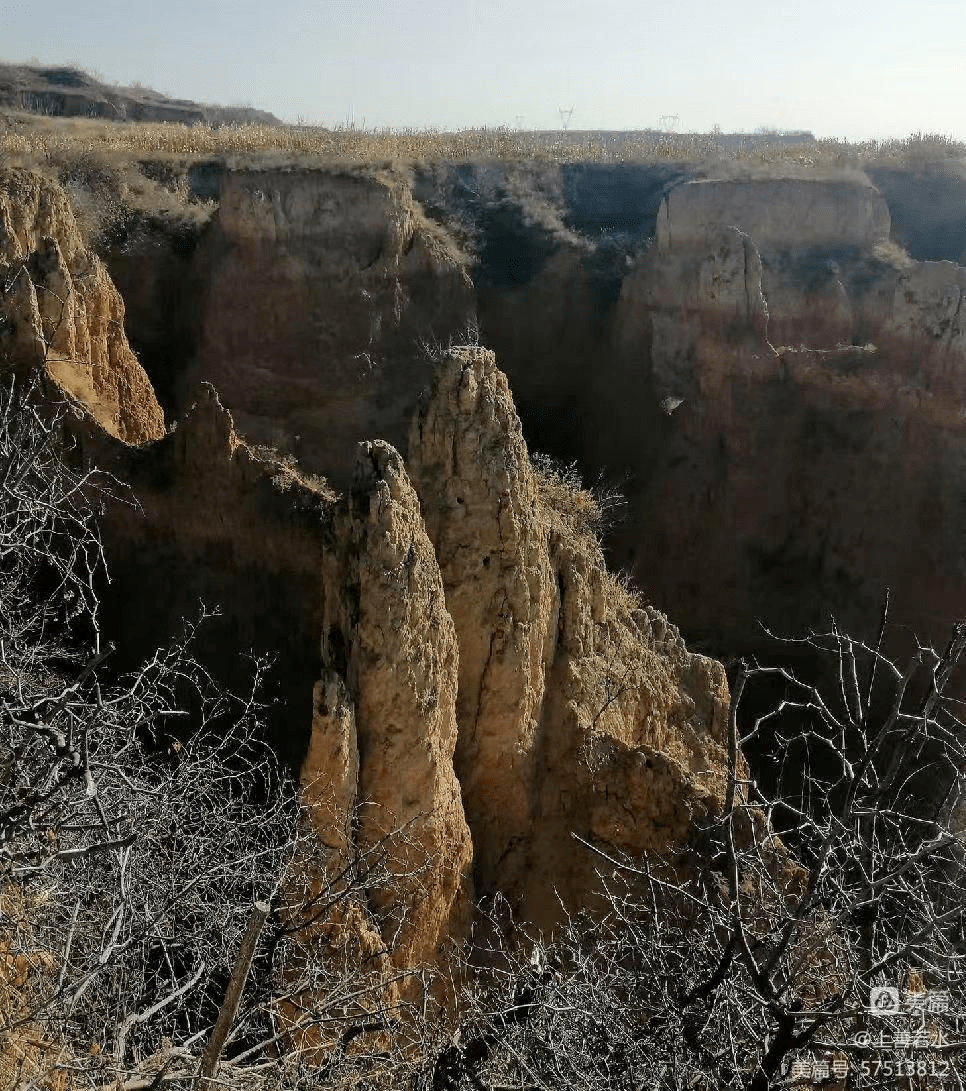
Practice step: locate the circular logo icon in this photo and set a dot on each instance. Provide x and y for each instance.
(883, 1000)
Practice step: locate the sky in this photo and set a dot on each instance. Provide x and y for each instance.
(849, 69)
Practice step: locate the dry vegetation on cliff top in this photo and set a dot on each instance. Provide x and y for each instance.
(38, 139)
(583, 516)
(573, 509)
(125, 176)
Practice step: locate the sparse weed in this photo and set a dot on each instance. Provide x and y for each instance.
(434, 350)
(573, 508)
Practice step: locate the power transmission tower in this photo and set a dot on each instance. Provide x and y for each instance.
(566, 113)
(669, 122)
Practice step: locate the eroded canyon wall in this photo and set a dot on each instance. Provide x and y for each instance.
(772, 379)
(755, 360)
(611, 295)
(479, 659)
(315, 289)
(202, 519)
(450, 654)
(810, 450)
(61, 314)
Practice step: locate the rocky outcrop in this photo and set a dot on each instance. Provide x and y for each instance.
(687, 296)
(720, 353)
(810, 244)
(453, 656)
(479, 492)
(927, 311)
(485, 686)
(384, 731)
(579, 711)
(60, 311)
(316, 289)
(773, 380)
(478, 659)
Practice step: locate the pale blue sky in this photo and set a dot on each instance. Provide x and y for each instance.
(845, 68)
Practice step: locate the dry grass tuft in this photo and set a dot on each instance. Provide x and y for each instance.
(27, 1057)
(288, 473)
(584, 516)
(573, 509)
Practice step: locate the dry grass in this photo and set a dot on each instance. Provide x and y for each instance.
(573, 509)
(584, 516)
(27, 1056)
(36, 138)
(122, 175)
(286, 472)
(109, 188)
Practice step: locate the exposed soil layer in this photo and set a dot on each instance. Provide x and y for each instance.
(780, 402)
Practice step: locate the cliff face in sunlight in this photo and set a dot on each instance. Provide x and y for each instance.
(479, 676)
(59, 311)
(578, 710)
(479, 661)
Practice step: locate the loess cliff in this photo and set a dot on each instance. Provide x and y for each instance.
(453, 657)
(811, 432)
(59, 310)
(313, 290)
(479, 661)
(578, 710)
(771, 368)
(457, 659)
(768, 367)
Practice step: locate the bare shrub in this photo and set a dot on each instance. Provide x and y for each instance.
(141, 817)
(585, 513)
(754, 956)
